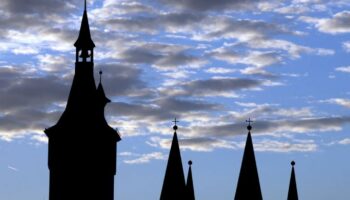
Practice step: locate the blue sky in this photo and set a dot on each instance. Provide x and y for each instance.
(211, 64)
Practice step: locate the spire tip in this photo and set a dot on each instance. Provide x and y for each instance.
(190, 162)
(292, 163)
(249, 127)
(175, 124)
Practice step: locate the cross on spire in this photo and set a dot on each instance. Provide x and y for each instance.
(175, 121)
(175, 124)
(249, 121)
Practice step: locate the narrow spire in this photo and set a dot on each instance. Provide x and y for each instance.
(292, 192)
(248, 186)
(84, 40)
(189, 183)
(174, 181)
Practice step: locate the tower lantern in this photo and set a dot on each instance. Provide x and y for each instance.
(84, 44)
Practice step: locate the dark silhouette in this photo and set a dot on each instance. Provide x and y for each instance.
(248, 186)
(292, 192)
(174, 180)
(82, 146)
(189, 183)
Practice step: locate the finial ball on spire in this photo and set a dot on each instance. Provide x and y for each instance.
(249, 127)
(190, 162)
(175, 124)
(100, 72)
(292, 163)
(175, 127)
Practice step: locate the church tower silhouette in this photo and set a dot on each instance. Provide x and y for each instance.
(174, 186)
(248, 186)
(82, 146)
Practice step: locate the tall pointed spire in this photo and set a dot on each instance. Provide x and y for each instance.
(248, 186)
(189, 183)
(174, 180)
(84, 38)
(84, 44)
(292, 192)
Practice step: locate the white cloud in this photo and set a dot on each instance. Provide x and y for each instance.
(272, 127)
(269, 111)
(143, 158)
(345, 69)
(204, 144)
(25, 50)
(284, 147)
(339, 23)
(12, 168)
(194, 144)
(220, 70)
(345, 141)
(293, 9)
(346, 46)
(293, 50)
(40, 138)
(339, 101)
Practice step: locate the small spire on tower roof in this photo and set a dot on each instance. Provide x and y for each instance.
(101, 93)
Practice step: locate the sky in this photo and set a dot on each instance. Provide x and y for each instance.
(210, 64)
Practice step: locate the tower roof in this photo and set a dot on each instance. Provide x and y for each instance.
(292, 192)
(248, 186)
(84, 40)
(189, 183)
(174, 180)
